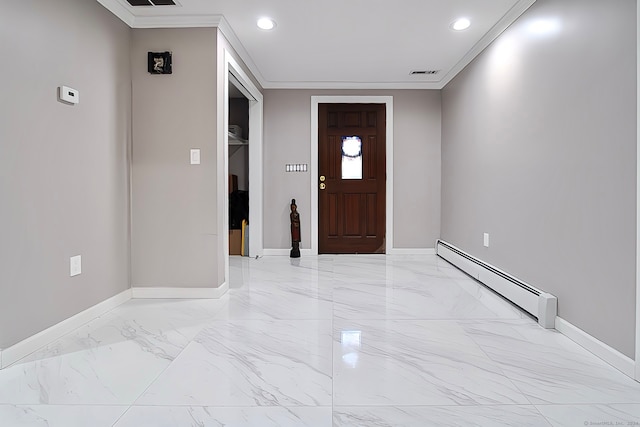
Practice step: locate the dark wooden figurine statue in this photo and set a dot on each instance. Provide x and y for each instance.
(295, 230)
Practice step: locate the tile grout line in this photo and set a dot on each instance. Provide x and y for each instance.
(333, 351)
(497, 364)
(476, 337)
(153, 381)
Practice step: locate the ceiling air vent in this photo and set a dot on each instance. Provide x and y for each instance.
(151, 2)
(423, 72)
(139, 3)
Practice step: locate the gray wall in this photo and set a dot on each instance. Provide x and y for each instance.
(175, 236)
(63, 169)
(287, 133)
(539, 150)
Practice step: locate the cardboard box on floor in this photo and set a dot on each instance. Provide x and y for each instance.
(235, 242)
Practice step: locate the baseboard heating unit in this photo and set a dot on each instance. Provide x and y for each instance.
(539, 304)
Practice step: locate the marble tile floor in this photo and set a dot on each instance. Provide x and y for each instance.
(319, 341)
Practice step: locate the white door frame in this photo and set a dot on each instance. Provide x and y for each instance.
(388, 101)
(256, 246)
(637, 334)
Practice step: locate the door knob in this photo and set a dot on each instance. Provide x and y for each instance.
(322, 178)
(323, 186)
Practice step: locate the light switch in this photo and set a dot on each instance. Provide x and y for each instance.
(195, 156)
(75, 265)
(486, 240)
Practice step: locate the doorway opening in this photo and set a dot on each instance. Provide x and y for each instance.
(351, 168)
(238, 159)
(235, 78)
(387, 101)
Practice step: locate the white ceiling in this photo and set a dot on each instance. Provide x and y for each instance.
(342, 43)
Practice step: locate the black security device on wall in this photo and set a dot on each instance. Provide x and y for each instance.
(159, 62)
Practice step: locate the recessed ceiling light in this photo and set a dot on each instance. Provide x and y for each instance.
(266, 23)
(461, 24)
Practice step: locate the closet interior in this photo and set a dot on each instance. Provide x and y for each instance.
(238, 170)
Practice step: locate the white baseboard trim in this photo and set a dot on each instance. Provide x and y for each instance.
(284, 252)
(179, 293)
(412, 251)
(394, 251)
(610, 355)
(27, 346)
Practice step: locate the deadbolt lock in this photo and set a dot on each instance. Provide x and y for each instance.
(322, 178)
(323, 186)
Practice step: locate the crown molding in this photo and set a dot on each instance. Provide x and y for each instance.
(237, 45)
(115, 7)
(504, 23)
(159, 21)
(352, 85)
(185, 21)
(509, 18)
(177, 21)
(194, 21)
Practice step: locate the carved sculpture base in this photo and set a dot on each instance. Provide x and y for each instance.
(295, 251)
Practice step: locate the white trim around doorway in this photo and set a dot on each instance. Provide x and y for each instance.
(388, 101)
(637, 334)
(255, 160)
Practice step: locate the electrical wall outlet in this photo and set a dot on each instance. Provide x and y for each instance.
(68, 95)
(75, 265)
(486, 240)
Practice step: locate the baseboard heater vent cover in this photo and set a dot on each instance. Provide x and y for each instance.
(539, 304)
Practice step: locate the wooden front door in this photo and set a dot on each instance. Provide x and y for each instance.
(352, 181)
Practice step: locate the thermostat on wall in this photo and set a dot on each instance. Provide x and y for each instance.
(69, 95)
